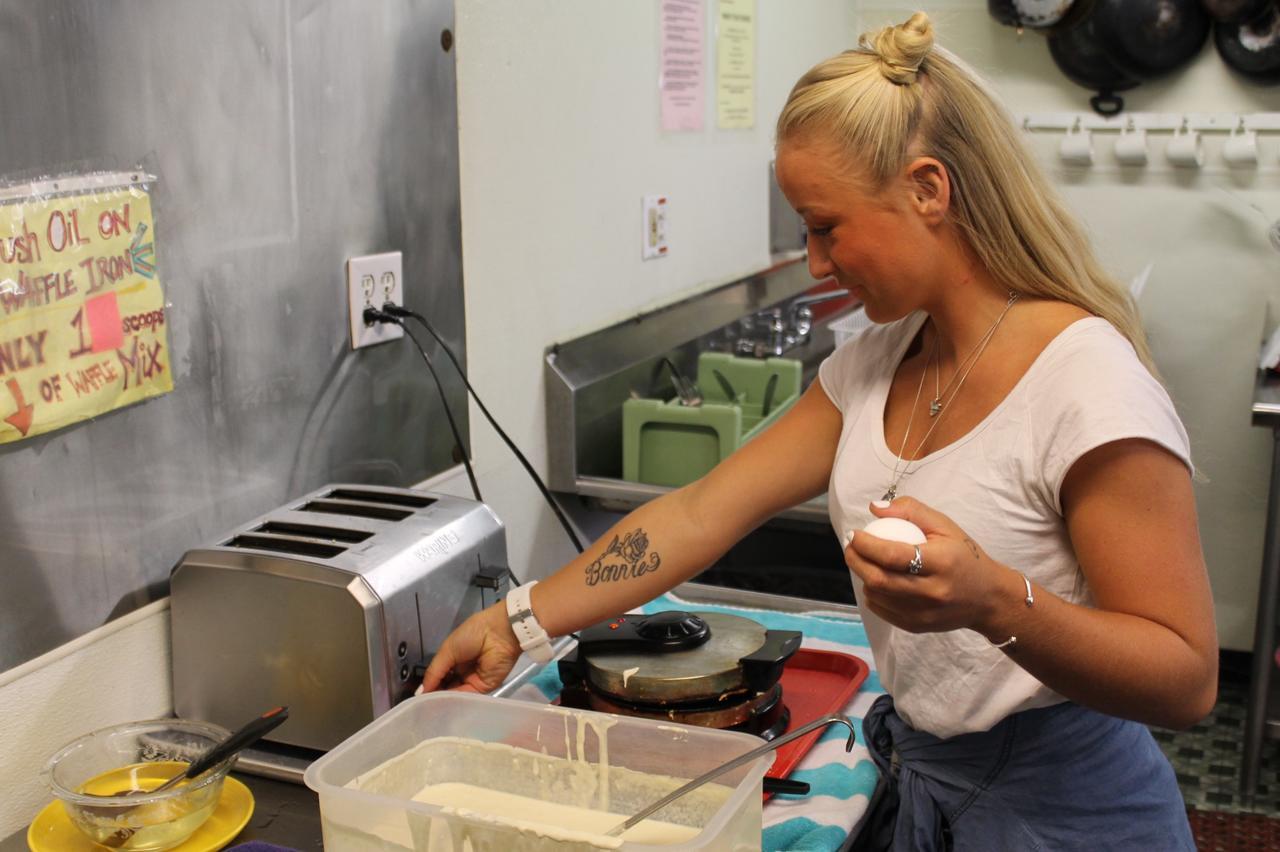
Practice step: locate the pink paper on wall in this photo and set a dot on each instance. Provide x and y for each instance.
(682, 78)
(103, 314)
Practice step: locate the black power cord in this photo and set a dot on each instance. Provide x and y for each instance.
(372, 315)
(397, 314)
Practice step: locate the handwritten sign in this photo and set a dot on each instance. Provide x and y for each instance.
(82, 318)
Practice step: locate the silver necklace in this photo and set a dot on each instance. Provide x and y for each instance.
(900, 460)
(936, 405)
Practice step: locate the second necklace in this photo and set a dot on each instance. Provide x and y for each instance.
(937, 405)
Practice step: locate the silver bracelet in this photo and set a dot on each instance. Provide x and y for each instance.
(1012, 641)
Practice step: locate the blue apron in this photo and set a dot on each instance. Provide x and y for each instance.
(1060, 777)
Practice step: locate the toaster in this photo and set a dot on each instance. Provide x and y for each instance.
(331, 605)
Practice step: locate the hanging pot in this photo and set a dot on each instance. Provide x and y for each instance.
(1078, 55)
(1035, 14)
(1252, 49)
(1236, 11)
(1150, 38)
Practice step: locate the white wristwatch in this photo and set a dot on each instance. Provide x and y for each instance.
(533, 640)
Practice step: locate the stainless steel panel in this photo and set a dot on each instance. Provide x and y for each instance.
(308, 643)
(287, 135)
(619, 495)
(590, 377)
(786, 228)
(1266, 399)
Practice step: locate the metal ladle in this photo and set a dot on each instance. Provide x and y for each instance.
(732, 764)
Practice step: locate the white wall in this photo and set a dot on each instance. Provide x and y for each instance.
(559, 122)
(1215, 276)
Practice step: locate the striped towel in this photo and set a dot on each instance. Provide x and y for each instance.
(841, 783)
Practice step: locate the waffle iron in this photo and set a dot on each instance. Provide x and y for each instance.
(707, 668)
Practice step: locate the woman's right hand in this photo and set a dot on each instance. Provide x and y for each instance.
(477, 656)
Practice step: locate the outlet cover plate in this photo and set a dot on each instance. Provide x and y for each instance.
(372, 280)
(653, 239)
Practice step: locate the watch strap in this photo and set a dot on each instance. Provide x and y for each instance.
(533, 640)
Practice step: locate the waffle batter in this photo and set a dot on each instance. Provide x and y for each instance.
(547, 817)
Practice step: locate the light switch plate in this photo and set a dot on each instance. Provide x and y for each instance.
(372, 280)
(654, 222)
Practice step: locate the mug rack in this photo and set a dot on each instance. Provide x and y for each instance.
(1184, 148)
(1219, 122)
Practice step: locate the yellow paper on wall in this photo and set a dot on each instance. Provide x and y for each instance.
(735, 64)
(82, 316)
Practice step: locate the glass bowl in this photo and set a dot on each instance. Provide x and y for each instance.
(89, 775)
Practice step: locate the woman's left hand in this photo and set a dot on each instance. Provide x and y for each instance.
(958, 585)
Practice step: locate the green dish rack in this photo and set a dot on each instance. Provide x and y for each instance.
(666, 443)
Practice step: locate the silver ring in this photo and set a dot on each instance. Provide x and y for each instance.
(916, 563)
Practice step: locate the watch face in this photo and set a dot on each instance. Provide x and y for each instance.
(1041, 13)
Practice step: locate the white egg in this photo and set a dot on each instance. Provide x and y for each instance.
(896, 529)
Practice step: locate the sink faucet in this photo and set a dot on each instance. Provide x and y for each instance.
(771, 333)
(802, 309)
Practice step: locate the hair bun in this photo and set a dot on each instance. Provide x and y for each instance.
(901, 49)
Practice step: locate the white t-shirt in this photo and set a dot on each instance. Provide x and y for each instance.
(1000, 483)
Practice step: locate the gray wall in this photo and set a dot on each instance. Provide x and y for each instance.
(287, 135)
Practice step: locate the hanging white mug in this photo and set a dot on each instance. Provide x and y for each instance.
(1076, 148)
(1131, 147)
(1185, 149)
(1241, 149)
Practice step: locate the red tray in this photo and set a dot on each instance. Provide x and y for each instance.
(814, 684)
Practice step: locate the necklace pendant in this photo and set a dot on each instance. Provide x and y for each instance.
(935, 408)
(891, 494)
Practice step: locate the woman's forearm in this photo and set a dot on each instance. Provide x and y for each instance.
(1122, 664)
(657, 546)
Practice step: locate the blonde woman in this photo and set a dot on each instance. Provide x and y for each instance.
(1006, 404)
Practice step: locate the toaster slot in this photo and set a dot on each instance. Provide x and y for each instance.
(412, 501)
(359, 510)
(297, 547)
(314, 531)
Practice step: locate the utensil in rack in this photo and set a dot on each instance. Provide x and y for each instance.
(649, 811)
(725, 386)
(686, 389)
(770, 388)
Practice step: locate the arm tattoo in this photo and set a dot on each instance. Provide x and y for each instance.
(973, 548)
(627, 557)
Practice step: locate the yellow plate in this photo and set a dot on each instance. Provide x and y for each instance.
(53, 831)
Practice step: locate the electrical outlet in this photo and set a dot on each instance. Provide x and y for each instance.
(654, 237)
(373, 280)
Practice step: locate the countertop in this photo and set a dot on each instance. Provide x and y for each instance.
(288, 815)
(283, 814)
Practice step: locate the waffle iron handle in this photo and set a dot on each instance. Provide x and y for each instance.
(763, 667)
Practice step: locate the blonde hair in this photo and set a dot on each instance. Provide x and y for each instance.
(896, 97)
